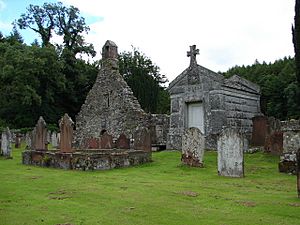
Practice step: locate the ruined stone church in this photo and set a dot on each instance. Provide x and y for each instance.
(110, 106)
(204, 99)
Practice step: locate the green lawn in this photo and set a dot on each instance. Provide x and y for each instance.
(162, 192)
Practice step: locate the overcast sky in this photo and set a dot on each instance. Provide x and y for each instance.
(227, 32)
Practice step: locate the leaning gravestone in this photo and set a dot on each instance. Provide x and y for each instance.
(193, 144)
(40, 135)
(66, 134)
(6, 143)
(230, 153)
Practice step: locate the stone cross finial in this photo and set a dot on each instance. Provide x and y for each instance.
(193, 53)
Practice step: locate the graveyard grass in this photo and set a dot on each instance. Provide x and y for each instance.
(161, 192)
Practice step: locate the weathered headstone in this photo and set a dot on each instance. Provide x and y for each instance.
(18, 140)
(274, 143)
(106, 141)
(54, 139)
(259, 130)
(92, 143)
(193, 144)
(142, 139)
(40, 135)
(28, 140)
(123, 142)
(66, 132)
(230, 153)
(298, 172)
(6, 143)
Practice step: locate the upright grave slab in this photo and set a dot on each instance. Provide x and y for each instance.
(230, 153)
(6, 143)
(66, 132)
(193, 144)
(40, 135)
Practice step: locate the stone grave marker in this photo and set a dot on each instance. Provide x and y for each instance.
(54, 139)
(230, 153)
(28, 139)
(40, 135)
(274, 143)
(66, 133)
(6, 143)
(142, 139)
(92, 143)
(259, 130)
(123, 142)
(106, 141)
(193, 144)
(18, 140)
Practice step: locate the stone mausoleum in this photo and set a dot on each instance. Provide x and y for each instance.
(204, 99)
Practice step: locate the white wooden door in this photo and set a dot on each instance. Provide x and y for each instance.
(195, 115)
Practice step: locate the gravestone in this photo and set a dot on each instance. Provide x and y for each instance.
(142, 139)
(193, 144)
(274, 143)
(92, 143)
(28, 140)
(106, 141)
(123, 142)
(40, 135)
(6, 143)
(54, 139)
(259, 130)
(18, 140)
(230, 153)
(298, 172)
(66, 134)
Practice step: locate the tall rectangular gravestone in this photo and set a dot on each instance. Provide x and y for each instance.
(66, 134)
(6, 143)
(193, 144)
(54, 139)
(230, 153)
(28, 140)
(142, 139)
(40, 135)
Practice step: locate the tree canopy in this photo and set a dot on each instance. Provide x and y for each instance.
(145, 80)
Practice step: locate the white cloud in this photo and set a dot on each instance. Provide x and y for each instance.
(5, 26)
(2, 5)
(228, 33)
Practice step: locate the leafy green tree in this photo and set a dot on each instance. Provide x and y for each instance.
(145, 80)
(29, 80)
(64, 21)
(40, 19)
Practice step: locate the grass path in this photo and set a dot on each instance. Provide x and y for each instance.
(162, 192)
